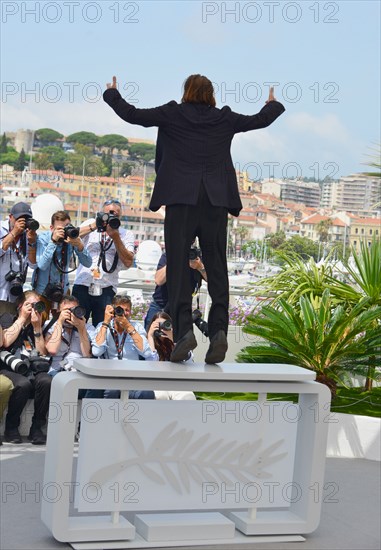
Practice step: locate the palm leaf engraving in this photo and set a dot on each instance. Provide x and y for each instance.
(177, 456)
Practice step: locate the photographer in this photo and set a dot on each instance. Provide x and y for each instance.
(56, 251)
(159, 302)
(24, 341)
(17, 252)
(160, 338)
(117, 338)
(69, 337)
(111, 249)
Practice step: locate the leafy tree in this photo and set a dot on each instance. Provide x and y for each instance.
(107, 161)
(125, 169)
(10, 157)
(56, 156)
(21, 161)
(275, 240)
(47, 135)
(85, 138)
(144, 151)
(3, 144)
(322, 229)
(302, 246)
(316, 336)
(42, 161)
(113, 141)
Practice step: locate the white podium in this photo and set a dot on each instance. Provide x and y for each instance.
(184, 473)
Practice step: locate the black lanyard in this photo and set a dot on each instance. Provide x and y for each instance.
(105, 245)
(119, 345)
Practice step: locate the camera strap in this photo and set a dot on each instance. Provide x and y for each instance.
(20, 251)
(105, 245)
(119, 345)
(63, 262)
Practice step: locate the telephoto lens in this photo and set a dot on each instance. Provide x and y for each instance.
(118, 311)
(113, 221)
(14, 363)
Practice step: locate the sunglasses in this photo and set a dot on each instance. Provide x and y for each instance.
(112, 201)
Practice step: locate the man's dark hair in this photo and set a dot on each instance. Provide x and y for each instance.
(60, 216)
(198, 89)
(69, 299)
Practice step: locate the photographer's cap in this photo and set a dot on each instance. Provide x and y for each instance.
(21, 209)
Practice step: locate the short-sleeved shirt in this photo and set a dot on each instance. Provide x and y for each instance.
(84, 275)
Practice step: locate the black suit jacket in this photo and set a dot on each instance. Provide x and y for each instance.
(193, 148)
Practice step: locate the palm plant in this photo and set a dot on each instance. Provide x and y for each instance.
(317, 335)
(366, 275)
(300, 278)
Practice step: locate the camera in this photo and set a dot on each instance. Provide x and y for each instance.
(39, 306)
(14, 363)
(37, 362)
(53, 292)
(199, 322)
(118, 311)
(103, 219)
(194, 253)
(165, 325)
(78, 311)
(31, 224)
(17, 280)
(69, 231)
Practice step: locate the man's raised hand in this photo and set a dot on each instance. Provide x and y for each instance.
(271, 95)
(113, 85)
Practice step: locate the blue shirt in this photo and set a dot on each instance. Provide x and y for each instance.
(47, 272)
(130, 351)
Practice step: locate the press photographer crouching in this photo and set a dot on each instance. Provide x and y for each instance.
(111, 248)
(119, 338)
(57, 250)
(25, 363)
(17, 252)
(68, 337)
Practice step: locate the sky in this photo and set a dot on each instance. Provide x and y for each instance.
(323, 58)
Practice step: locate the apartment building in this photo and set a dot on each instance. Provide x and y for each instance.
(356, 193)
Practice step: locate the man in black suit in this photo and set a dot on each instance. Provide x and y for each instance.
(196, 181)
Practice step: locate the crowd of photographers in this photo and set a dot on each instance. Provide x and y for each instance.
(43, 330)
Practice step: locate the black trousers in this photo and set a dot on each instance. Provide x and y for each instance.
(26, 388)
(182, 224)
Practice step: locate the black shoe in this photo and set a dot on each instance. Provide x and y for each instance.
(13, 436)
(183, 347)
(217, 348)
(36, 436)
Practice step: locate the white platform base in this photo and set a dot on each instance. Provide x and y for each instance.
(184, 526)
(278, 522)
(139, 542)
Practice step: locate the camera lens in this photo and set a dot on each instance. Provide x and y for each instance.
(39, 306)
(114, 222)
(166, 325)
(79, 312)
(32, 224)
(71, 231)
(118, 311)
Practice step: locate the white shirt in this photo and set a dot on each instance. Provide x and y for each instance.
(8, 257)
(84, 275)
